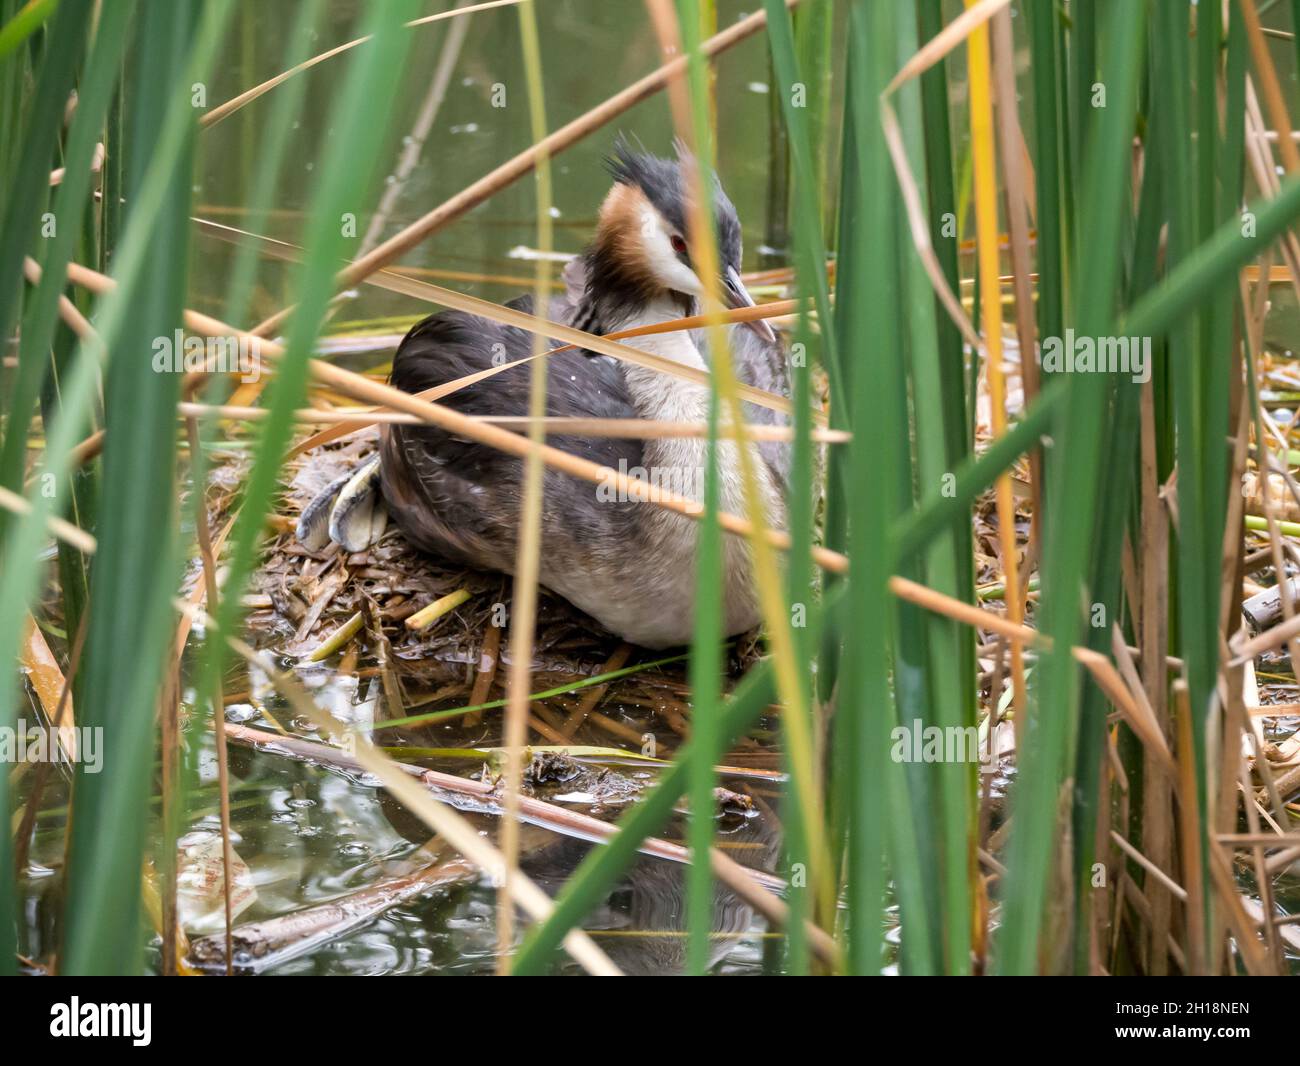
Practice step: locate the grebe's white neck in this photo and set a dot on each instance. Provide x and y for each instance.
(679, 463)
(656, 394)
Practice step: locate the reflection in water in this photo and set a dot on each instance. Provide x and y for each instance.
(644, 916)
(642, 921)
(323, 845)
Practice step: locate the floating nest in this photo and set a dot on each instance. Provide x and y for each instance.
(299, 599)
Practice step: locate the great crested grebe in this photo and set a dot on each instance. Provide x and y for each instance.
(627, 564)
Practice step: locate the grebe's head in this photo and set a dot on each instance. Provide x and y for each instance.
(643, 238)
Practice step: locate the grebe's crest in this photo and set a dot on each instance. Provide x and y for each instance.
(641, 252)
(663, 183)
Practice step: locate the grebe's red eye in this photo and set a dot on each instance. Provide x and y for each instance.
(679, 244)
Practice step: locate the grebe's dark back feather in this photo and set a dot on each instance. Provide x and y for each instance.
(460, 499)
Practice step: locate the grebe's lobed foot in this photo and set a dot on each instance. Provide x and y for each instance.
(349, 511)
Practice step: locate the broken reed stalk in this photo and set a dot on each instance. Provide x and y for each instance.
(273, 941)
(426, 616)
(616, 661)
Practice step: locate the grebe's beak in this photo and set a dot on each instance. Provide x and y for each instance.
(734, 294)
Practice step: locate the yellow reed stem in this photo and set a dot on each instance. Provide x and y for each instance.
(336, 640)
(986, 233)
(426, 616)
